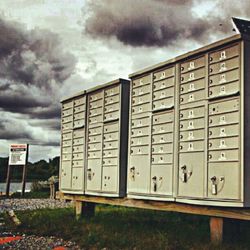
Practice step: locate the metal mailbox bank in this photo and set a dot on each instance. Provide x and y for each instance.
(107, 139)
(189, 116)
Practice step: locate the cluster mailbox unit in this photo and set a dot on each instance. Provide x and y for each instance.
(188, 136)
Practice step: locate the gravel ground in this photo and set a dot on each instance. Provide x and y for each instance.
(31, 204)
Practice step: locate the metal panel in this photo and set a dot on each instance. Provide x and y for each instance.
(165, 73)
(162, 148)
(95, 107)
(94, 154)
(79, 116)
(67, 136)
(224, 107)
(79, 123)
(224, 143)
(139, 141)
(78, 109)
(95, 131)
(140, 150)
(141, 122)
(224, 131)
(192, 124)
(224, 89)
(67, 105)
(141, 108)
(224, 66)
(110, 179)
(163, 118)
(111, 137)
(112, 91)
(66, 175)
(112, 116)
(163, 138)
(111, 107)
(137, 100)
(77, 163)
(192, 146)
(141, 81)
(162, 128)
(111, 145)
(141, 90)
(225, 77)
(223, 155)
(67, 119)
(140, 131)
(78, 141)
(96, 96)
(79, 133)
(169, 82)
(94, 176)
(78, 149)
(95, 119)
(110, 162)
(94, 138)
(94, 146)
(67, 126)
(192, 135)
(224, 119)
(78, 156)
(110, 153)
(162, 159)
(192, 86)
(164, 103)
(67, 112)
(193, 97)
(79, 101)
(191, 113)
(66, 157)
(194, 75)
(77, 178)
(112, 99)
(193, 64)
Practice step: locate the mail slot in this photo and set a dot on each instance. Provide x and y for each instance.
(224, 89)
(79, 133)
(135, 132)
(112, 99)
(193, 97)
(67, 112)
(110, 153)
(141, 90)
(78, 109)
(166, 103)
(142, 140)
(78, 156)
(194, 75)
(110, 162)
(192, 124)
(192, 86)
(66, 157)
(79, 141)
(162, 128)
(94, 155)
(95, 131)
(141, 108)
(111, 145)
(163, 118)
(142, 81)
(67, 105)
(77, 163)
(111, 127)
(162, 159)
(224, 106)
(96, 96)
(224, 66)
(225, 77)
(79, 148)
(79, 116)
(67, 126)
(224, 143)
(169, 82)
(112, 116)
(96, 105)
(224, 119)
(112, 91)
(192, 146)
(163, 138)
(191, 113)
(79, 123)
(111, 107)
(95, 112)
(139, 150)
(162, 148)
(224, 54)
(224, 131)
(111, 136)
(67, 119)
(137, 100)
(67, 150)
(141, 122)
(165, 73)
(193, 64)
(95, 119)
(79, 101)
(224, 155)
(94, 146)
(164, 93)
(192, 135)
(94, 138)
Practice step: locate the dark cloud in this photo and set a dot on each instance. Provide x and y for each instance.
(158, 22)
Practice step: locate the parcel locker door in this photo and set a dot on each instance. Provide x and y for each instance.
(109, 179)
(161, 179)
(77, 179)
(66, 175)
(191, 174)
(94, 175)
(139, 174)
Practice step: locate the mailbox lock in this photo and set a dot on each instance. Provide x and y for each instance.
(181, 136)
(210, 132)
(181, 115)
(214, 185)
(184, 173)
(182, 78)
(154, 183)
(210, 81)
(210, 156)
(89, 174)
(210, 92)
(182, 68)
(210, 121)
(210, 59)
(132, 173)
(210, 70)
(210, 144)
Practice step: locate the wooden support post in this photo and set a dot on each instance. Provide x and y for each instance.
(216, 230)
(86, 209)
(24, 172)
(8, 181)
(78, 209)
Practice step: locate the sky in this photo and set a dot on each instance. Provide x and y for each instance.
(50, 49)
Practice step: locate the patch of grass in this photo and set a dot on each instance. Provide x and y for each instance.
(126, 228)
(32, 195)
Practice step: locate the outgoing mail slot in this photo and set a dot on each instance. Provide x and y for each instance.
(141, 108)
(78, 156)
(95, 112)
(96, 96)
(137, 100)
(67, 105)
(164, 93)
(94, 155)
(80, 101)
(224, 143)
(224, 66)
(162, 148)
(223, 155)
(67, 119)
(95, 105)
(67, 150)
(142, 122)
(225, 77)
(224, 131)
(78, 149)
(163, 138)
(192, 135)
(66, 157)
(78, 109)
(135, 132)
(192, 124)
(110, 162)
(94, 146)
(224, 119)
(162, 128)
(112, 107)
(94, 138)
(78, 141)
(163, 118)
(67, 136)
(169, 82)
(192, 97)
(79, 116)
(192, 146)
(192, 76)
(191, 113)
(112, 116)
(112, 99)
(111, 127)
(68, 125)
(165, 73)
(78, 133)
(141, 150)
(224, 89)
(164, 103)
(139, 141)
(111, 136)
(95, 131)
(192, 86)
(226, 176)
(224, 106)
(79, 123)
(77, 163)
(193, 64)
(111, 145)
(142, 81)
(67, 112)
(112, 91)
(224, 54)
(141, 90)
(162, 159)
(110, 153)
(95, 119)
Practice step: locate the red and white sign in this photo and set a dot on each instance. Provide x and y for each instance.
(18, 154)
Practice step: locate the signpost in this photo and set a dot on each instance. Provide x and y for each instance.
(18, 156)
